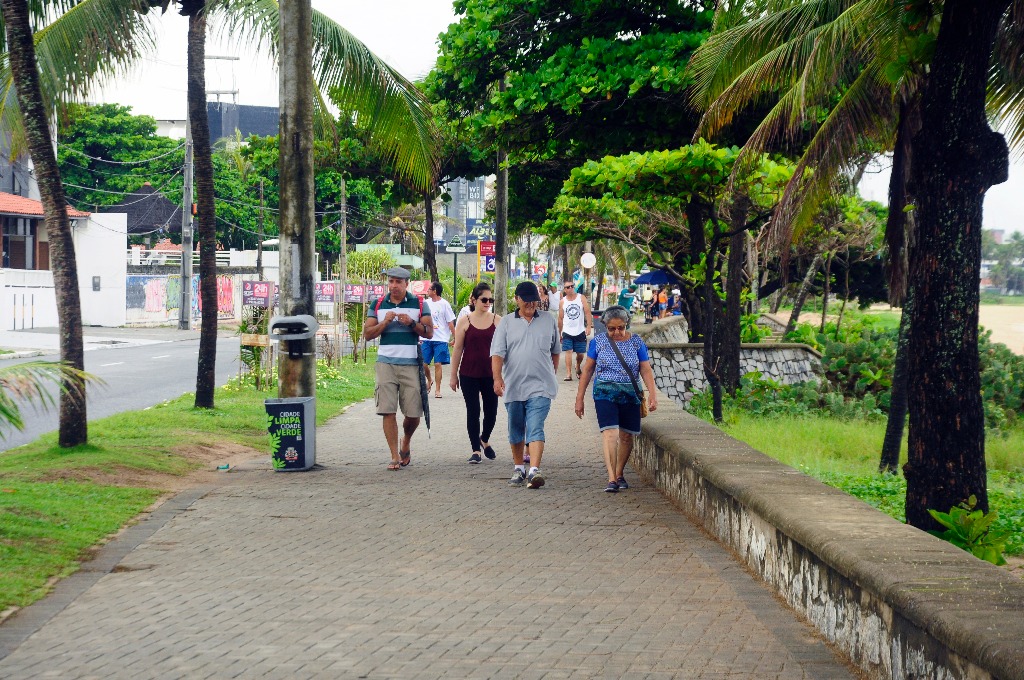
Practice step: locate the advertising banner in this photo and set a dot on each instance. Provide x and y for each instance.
(325, 291)
(257, 293)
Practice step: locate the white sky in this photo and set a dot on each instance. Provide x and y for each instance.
(401, 32)
(404, 34)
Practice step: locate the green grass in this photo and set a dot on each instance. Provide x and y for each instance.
(50, 514)
(844, 455)
(992, 299)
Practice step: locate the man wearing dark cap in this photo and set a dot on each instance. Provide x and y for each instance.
(524, 361)
(399, 320)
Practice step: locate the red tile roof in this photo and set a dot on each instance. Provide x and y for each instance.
(165, 244)
(11, 204)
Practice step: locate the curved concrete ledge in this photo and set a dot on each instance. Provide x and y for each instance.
(898, 602)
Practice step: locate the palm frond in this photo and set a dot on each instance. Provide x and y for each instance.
(1005, 100)
(28, 383)
(92, 41)
(866, 110)
(772, 39)
(376, 96)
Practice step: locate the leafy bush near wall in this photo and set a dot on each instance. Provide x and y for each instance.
(858, 362)
(750, 330)
(765, 397)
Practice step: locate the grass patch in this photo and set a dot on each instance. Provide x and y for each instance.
(844, 455)
(50, 514)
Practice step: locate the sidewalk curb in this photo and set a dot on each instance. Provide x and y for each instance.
(21, 354)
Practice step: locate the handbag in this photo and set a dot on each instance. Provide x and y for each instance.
(644, 410)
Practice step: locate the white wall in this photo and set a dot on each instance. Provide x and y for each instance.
(27, 299)
(99, 252)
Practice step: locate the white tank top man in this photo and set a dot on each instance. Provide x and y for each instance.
(575, 323)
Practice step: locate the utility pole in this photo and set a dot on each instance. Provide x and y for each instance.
(185, 306)
(297, 370)
(259, 242)
(339, 299)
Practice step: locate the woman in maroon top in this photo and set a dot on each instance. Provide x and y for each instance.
(471, 367)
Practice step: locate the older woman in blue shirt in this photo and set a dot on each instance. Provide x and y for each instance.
(616, 387)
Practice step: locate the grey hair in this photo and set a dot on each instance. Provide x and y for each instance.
(615, 312)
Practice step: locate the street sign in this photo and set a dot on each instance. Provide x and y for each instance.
(455, 245)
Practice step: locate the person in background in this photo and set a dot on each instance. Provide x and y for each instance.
(524, 362)
(471, 369)
(399, 320)
(435, 350)
(663, 302)
(542, 290)
(554, 298)
(616, 401)
(575, 323)
(676, 308)
(627, 296)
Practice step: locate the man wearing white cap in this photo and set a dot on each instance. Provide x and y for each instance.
(399, 320)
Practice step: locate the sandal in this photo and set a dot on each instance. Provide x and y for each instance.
(394, 465)
(568, 378)
(406, 458)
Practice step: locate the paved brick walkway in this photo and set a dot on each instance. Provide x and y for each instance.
(439, 570)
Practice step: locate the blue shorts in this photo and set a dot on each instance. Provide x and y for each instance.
(526, 419)
(436, 351)
(614, 416)
(574, 343)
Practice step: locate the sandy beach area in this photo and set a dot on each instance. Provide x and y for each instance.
(1006, 323)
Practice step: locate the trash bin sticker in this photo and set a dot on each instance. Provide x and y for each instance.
(285, 425)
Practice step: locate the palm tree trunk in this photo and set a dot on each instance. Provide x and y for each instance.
(733, 294)
(825, 291)
(73, 428)
(429, 247)
(566, 273)
(752, 265)
(295, 167)
(890, 459)
(846, 291)
(206, 377)
(801, 297)
(957, 158)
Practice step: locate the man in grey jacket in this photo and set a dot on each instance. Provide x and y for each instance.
(524, 362)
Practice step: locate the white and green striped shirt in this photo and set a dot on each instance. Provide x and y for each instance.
(399, 344)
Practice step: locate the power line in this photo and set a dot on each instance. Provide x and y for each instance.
(104, 160)
(125, 193)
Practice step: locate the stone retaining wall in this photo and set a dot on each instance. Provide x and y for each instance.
(679, 367)
(898, 602)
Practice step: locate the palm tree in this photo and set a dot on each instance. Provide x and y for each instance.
(93, 39)
(862, 62)
(21, 61)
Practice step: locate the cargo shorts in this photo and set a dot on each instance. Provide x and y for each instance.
(398, 386)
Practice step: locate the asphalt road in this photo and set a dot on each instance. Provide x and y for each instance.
(136, 377)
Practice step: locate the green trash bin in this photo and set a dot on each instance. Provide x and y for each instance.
(291, 423)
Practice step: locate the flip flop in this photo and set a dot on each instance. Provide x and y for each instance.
(394, 465)
(437, 396)
(569, 379)
(406, 458)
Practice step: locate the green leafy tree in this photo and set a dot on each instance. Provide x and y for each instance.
(581, 80)
(677, 208)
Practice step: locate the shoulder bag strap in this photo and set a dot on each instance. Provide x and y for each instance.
(622, 360)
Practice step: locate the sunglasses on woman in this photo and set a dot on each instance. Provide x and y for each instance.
(486, 301)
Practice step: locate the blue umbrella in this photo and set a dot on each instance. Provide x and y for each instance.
(657, 277)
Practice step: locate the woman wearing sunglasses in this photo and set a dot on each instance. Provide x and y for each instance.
(619, 360)
(471, 367)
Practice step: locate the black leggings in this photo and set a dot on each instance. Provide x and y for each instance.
(473, 390)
